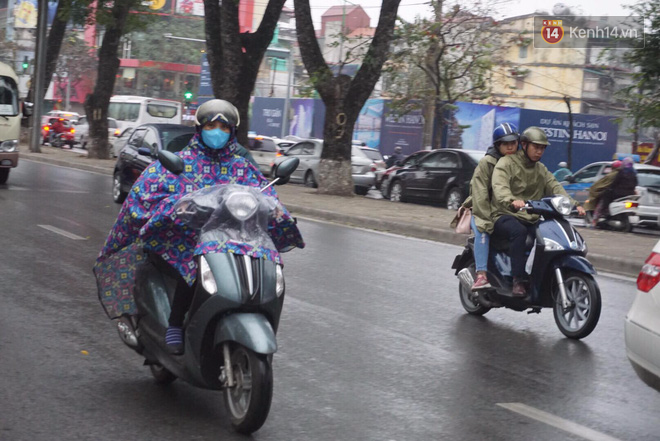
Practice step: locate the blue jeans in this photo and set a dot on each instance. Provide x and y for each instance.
(481, 241)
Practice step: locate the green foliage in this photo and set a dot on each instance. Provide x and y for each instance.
(150, 44)
(643, 97)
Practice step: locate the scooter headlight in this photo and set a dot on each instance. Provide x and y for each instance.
(551, 245)
(279, 286)
(562, 204)
(206, 275)
(242, 205)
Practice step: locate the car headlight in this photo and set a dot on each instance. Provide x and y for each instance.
(562, 204)
(551, 245)
(242, 205)
(279, 285)
(9, 146)
(206, 275)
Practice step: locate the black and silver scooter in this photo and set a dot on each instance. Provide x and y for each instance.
(231, 325)
(561, 276)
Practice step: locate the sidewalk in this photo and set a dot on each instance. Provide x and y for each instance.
(608, 251)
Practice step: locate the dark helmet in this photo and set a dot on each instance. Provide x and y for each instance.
(534, 135)
(217, 110)
(505, 132)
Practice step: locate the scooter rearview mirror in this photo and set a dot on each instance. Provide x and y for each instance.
(170, 161)
(286, 168)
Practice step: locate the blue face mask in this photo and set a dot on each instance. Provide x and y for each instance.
(215, 139)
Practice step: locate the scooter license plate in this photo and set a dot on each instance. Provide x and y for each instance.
(633, 219)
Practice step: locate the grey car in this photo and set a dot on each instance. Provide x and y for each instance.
(364, 163)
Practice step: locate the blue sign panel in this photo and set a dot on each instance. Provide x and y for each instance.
(403, 131)
(594, 137)
(205, 87)
(267, 116)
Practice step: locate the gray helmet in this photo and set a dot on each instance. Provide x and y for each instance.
(217, 110)
(535, 135)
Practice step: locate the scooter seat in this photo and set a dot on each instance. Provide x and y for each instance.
(500, 243)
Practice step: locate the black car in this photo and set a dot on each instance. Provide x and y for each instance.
(155, 137)
(442, 176)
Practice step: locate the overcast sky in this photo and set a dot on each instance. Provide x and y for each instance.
(408, 9)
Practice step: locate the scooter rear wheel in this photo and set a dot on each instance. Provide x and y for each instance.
(581, 318)
(467, 299)
(161, 375)
(249, 400)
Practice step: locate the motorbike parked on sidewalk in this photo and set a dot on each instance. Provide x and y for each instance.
(561, 277)
(229, 332)
(621, 215)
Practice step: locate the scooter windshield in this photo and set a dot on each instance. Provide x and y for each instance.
(229, 214)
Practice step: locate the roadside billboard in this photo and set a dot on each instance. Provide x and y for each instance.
(403, 131)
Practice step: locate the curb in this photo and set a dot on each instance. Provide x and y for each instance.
(606, 263)
(601, 262)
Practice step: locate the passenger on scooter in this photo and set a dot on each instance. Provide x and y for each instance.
(518, 178)
(505, 142)
(599, 189)
(147, 220)
(624, 183)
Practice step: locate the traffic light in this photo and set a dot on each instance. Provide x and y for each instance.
(26, 64)
(188, 95)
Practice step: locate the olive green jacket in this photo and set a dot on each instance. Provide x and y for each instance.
(598, 189)
(517, 178)
(480, 194)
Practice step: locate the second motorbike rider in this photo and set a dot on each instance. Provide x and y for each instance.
(147, 221)
(518, 178)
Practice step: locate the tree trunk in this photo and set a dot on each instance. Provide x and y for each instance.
(234, 58)
(96, 103)
(343, 97)
(54, 42)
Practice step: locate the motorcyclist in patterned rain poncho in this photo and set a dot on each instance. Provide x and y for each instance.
(147, 221)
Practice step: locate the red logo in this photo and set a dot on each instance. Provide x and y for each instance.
(552, 31)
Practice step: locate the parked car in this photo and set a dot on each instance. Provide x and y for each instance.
(642, 323)
(264, 150)
(441, 176)
(82, 131)
(384, 178)
(577, 185)
(648, 209)
(309, 152)
(155, 137)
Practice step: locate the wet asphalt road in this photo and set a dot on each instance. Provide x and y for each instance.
(374, 344)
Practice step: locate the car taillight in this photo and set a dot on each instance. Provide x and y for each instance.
(117, 132)
(46, 128)
(278, 154)
(73, 130)
(373, 167)
(631, 204)
(649, 276)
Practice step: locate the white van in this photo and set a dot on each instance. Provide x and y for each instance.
(10, 120)
(131, 111)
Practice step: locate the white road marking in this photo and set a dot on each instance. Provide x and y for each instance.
(62, 232)
(555, 421)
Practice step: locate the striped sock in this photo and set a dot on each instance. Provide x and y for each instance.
(174, 335)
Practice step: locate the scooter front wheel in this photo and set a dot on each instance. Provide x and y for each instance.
(581, 317)
(248, 400)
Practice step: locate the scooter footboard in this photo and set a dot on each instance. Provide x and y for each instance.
(250, 330)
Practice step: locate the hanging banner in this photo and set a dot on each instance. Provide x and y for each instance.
(25, 14)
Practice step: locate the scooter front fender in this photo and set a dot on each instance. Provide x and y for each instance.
(575, 262)
(248, 329)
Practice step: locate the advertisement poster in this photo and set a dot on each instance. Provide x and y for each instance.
(190, 7)
(368, 124)
(161, 7)
(474, 124)
(267, 116)
(403, 131)
(302, 120)
(594, 137)
(25, 14)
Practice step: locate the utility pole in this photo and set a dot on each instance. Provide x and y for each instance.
(567, 100)
(39, 75)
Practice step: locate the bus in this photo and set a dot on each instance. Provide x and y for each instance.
(10, 121)
(131, 111)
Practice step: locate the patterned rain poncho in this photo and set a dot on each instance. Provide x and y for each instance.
(147, 221)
